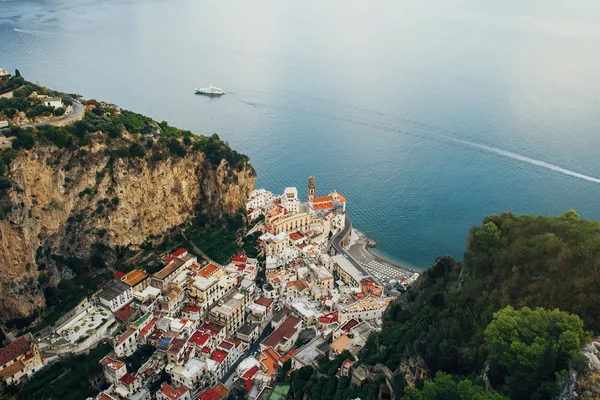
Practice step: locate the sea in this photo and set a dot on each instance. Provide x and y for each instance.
(426, 115)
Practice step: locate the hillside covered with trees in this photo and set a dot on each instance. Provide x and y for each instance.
(517, 310)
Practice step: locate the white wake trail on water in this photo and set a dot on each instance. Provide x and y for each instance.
(528, 160)
(33, 32)
(438, 137)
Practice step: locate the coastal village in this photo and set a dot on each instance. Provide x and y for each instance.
(214, 328)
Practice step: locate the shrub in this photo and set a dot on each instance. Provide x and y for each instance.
(24, 140)
(59, 111)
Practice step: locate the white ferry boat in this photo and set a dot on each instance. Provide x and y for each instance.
(210, 91)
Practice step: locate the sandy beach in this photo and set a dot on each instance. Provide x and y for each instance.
(379, 267)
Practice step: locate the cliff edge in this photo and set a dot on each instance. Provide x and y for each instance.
(68, 191)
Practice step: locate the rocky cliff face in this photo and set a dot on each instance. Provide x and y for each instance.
(65, 201)
(585, 385)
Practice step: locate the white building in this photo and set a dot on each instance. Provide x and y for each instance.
(290, 200)
(126, 344)
(371, 308)
(259, 198)
(348, 272)
(54, 102)
(190, 374)
(115, 295)
(113, 369)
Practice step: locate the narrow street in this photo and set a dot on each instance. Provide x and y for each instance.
(227, 378)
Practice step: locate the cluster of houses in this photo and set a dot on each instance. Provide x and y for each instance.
(210, 326)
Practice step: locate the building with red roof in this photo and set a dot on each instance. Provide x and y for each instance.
(248, 375)
(20, 359)
(199, 339)
(167, 392)
(219, 356)
(179, 253)
(239, 259)
(128, 384)
(284, 337)
(330, 318)
(217, 392)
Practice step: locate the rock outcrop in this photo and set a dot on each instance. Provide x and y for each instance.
(65, 201)
(585, 385)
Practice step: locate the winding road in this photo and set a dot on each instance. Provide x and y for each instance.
(77, 111)
(336, 243)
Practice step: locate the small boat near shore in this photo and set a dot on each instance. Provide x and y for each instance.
(210, 91)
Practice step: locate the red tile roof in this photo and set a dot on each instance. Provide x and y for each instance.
(296, 235)
(221, 390)
(283, 333)
(176, 345)
(226, 345)
(250, 373)
(128, 379)
(179, 252)
(124, 313)
(119, 274)
(323, 206)
(349, 325)
(264, 301)
(191, 309)
(148, 326)
(171, 393)
(322, 199)
(208, 270)
(199, 338)
(239, 258)
(209, 394)
(329, 318)
(219, 355)
(14, 350)
(129, 332)
(12, 369)
(212, 327)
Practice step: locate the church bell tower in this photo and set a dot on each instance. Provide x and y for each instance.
(311, 188)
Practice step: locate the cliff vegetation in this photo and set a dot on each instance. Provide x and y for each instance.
(513, 315)
(76, 200)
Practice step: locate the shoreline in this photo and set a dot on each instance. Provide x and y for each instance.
(382, 268)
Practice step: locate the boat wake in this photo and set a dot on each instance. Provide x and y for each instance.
(444, 136)
(527, 160)
(33, 32)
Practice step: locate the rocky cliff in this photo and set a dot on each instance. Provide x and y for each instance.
(586, 385)
(65, 201)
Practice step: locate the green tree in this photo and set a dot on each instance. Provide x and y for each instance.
(24, 140)
(59, 111)
(444, 387)
(528, 348)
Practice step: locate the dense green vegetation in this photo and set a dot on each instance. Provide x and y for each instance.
(323, 384)
(221, 240)
(67, 379)
(525, 261)
(20, 101)
(527, 347)
(444, 387)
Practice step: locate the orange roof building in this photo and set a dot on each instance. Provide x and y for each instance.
(137, 279)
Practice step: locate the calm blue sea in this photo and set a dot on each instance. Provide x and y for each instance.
(427, 115)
